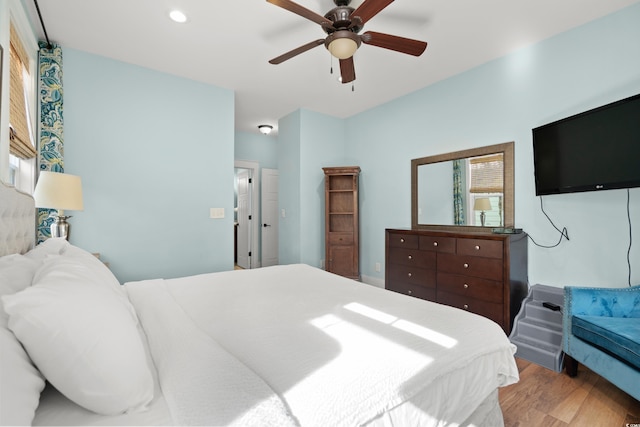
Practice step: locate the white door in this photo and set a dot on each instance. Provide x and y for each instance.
(269, 217)
(244, 225)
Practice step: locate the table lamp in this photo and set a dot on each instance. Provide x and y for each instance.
(482, 204)
(59, 191)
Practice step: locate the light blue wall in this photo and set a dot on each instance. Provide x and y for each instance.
(435, 194)
(155, 152)
(502, 101)
(255, 147)
(307, 142)
(289, 188)
(321, 145)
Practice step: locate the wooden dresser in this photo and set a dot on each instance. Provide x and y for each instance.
(481, 272)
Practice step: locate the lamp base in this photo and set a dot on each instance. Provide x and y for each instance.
(483, 216)
(60, 227)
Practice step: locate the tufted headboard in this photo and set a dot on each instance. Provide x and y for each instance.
(17, 221)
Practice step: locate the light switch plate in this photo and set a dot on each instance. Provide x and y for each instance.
(216, 213)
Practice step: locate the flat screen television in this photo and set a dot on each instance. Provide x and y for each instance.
(595, 150)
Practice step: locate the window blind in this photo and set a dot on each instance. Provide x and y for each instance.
(21, 143)
(487, 174)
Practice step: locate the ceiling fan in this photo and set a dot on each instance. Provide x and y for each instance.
(342, 25)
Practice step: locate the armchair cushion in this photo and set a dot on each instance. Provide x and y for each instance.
(618, 336)
(611, 305)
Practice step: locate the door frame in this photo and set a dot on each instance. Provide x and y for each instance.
(275, 219)
(255, 261)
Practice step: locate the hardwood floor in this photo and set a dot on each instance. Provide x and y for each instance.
(547, 398)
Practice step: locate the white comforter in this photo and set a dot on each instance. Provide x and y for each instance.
(293, 344)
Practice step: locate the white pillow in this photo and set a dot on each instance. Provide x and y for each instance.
(16, 273)
(82, 336)
(101, 271)
(59, 246)
(52, 246)
(20, 381)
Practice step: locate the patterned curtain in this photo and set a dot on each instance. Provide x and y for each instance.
(458, 193)
(51, 151)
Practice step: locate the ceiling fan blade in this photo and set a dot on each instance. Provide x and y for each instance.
(370, 8)
(296, 51)
(347, 70)
(302, 11)
(399, 44)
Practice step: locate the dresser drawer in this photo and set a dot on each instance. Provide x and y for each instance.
(340, 238)
(472, 287)
(480, 247)
(400, 240)
(487, 268)
(413, 290)
(438, 244)
(491, 310)
(398, 273)
(413, 257)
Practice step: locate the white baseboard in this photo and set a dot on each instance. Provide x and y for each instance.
(373, 281)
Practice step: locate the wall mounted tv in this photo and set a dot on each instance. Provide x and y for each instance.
(598, 149)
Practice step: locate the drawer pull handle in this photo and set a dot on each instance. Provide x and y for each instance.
(465, 265)
(477, 247)
(466, 307)
(409, 292)
(401, 240)
(465, 286)
(435, 243)
(410, 257)
(409, 274)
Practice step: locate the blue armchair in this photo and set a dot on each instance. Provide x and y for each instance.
(601, 330)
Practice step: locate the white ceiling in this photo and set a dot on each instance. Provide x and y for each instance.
(229, 43)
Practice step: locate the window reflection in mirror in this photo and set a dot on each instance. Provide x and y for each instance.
(470, 188)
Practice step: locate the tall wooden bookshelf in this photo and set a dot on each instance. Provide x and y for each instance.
(341, 221)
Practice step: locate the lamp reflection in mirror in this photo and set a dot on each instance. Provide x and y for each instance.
(59, 191)
(482, 204)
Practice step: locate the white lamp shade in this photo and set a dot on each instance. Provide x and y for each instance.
(482, 204)
(58, 191)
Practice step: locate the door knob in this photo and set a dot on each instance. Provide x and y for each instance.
(266, 225)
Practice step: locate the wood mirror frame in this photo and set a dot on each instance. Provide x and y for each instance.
(508, 194)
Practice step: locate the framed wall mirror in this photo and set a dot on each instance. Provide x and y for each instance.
(468, 190)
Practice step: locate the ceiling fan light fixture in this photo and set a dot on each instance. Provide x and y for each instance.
(343, 48)
(342, 44)
(265, 129)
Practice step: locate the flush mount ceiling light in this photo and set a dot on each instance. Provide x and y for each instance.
(265, 129)
(178, 16)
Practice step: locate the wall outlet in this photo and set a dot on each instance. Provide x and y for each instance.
(322, 264)
(283, 213)
(377, 267)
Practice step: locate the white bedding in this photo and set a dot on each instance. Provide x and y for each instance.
(289, 345)
(279, 345)
(336, 351)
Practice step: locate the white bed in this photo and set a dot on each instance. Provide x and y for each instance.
(277, 346)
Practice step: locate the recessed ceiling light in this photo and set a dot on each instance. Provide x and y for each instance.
(178, 16)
